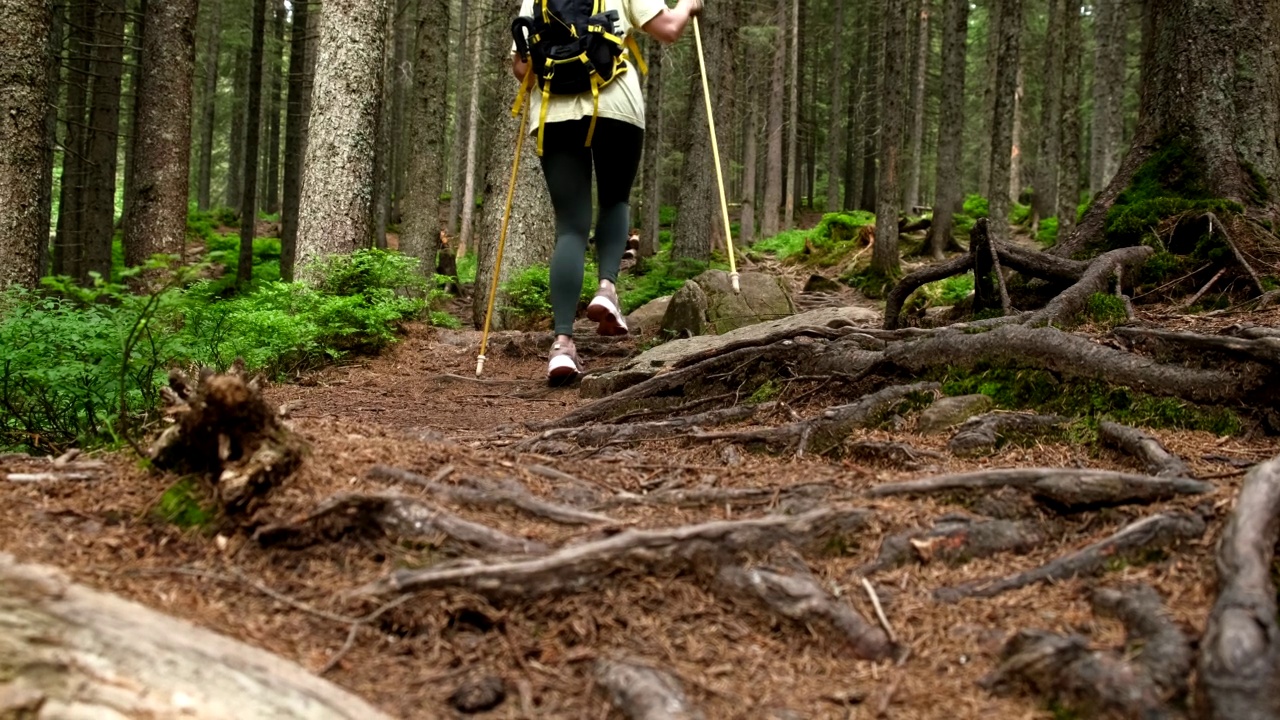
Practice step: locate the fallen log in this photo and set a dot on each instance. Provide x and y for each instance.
(1068, 488)
(67, 651)
(577, 566)
(642, 692)
(1158, 460)
(985, 432)
(956, 540)
(794, 593)
(494, 493)
(1239, 668)
(1146, 535)
(396, 515)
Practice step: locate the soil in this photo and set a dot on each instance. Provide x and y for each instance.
(405, 409)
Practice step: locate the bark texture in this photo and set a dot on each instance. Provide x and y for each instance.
(252, 138)
(1045, 185)
(103, 142)
(651, 181)
(769, 220)
(24, 81)
(1005, 109)
(156, 219)
(873, 65)
(1110, 26)
(334, 213)
(915, 143)
(835, 111)
(793, 120)
(467, 221)
(1068, 193)
(271, 191)
(297, 109)
(421, 235)
(949, 194)
(69, 651)
(234, 189)
(884, 255)
(209, 104)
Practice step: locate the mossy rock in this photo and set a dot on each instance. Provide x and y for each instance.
(707, 304)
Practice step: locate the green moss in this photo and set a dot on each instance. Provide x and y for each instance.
(783, 245)
(872, 283)
(1106, 309)
(766, 392)
(1019, 214)
(976, 207)
(183, 505)
(1047, 235)
(1015, 389)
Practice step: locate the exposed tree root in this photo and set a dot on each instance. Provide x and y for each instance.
(578, 566)
(1078, 357)
(1154, 456)
(794, 593)
(828, 431)
(791, 497)
(1067, 488)
(955, 540)
(985, 432)
(225, 429)
(1263, 349)
(895, 454)
(487, 494)
(1239, 665)
(396, 515)
(1149, 534)
(931, 273)
(643, 692)
(814, 331)
(1041, 265)
(1071, 302)
(1139, 683)
(605, 434)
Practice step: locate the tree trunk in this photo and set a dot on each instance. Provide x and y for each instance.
(1209, 91)
(295, 138)
(836, 116)
(750, 159)
(403, 69)
(651, 187)
(209, 105)
(872, 100)
(699, 217)
(1068, 194)
(853, 121)
(53, 93)
(1015, 144)
(769, 225)
(252, 136)
(334, 212)
(467, 221)
(1006, 104)
(383, 150)
(104, 138)
(990, 68)
(136, 10)
(235, 142)
(25, 29)
(1045, 198)
(461, 115)
(70, 651)
(272, 191)
(68, 252)
(156, 221)
(793, 120)
(949, 194)
(884, 254)
(1110, 33)
(915, 148)
(421, 235)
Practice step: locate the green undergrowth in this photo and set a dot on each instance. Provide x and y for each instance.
(1105, 309)
(828, 243)
(84, 365)
(1088, 400)
(1047, 234)
(872, 283)
(184, 505)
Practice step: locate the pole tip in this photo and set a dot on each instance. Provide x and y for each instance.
(733, 279)
(479, 365)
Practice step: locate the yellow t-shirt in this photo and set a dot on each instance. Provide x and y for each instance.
(620, 99)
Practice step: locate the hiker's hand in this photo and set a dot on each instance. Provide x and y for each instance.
(695, 7)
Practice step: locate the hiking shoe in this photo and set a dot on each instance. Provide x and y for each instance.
(564, 365)
(604, 309)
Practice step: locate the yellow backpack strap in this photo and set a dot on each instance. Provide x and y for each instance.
(634, 49)
(542, 114)
(595, 112)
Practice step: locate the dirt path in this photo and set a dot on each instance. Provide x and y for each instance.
(736, 661)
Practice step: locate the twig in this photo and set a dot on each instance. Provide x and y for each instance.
(1257, 282)
(1195, 298)
(875, 602)
(1005, 306)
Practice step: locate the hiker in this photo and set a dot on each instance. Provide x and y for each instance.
(583, 118)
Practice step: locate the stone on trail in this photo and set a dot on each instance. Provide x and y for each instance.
(651, 362)
(707, 304)
(948, 412)
(647, 319)
(821, 284)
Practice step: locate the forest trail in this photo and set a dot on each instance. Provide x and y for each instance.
(409, 409)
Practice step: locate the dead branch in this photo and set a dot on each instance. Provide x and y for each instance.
(955, 540)
(828, 431)
(1158, 460)
(643, 692)
(1204, 289)
(1239, 669)
(932, 273)
(69, 651)
(1235, 252)
(1144, 536)
(488, 494)
(49, 477)
(1070, 302)
(397, 515)
(794, 593)
(577, 566)
(985, 432)
(1068, 488)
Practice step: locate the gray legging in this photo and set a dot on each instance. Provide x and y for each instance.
(566, 163)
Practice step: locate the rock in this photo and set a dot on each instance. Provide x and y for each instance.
(651, 362)
(707, 304)
(948, 412)
(479, 694)
(647, 319)
(821, 284)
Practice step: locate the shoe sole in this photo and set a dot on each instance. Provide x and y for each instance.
(561, 370)
(602, 311)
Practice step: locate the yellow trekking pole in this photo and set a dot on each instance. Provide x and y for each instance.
(715, 153)
(519, 112)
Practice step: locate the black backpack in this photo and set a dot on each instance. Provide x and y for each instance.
(573, 48)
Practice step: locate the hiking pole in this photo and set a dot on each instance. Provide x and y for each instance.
(715, 153)
(521, 106)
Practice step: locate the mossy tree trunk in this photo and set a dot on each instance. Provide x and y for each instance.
(1208, 122)
(884, 255)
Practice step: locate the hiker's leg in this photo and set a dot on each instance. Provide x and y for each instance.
(617, 149)
(566, 163)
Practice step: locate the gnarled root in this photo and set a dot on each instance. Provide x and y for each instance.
(1066, 488)
(1158, 460)
(985, 432)
(955, 540)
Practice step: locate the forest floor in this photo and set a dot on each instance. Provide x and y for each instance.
(407, 409)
